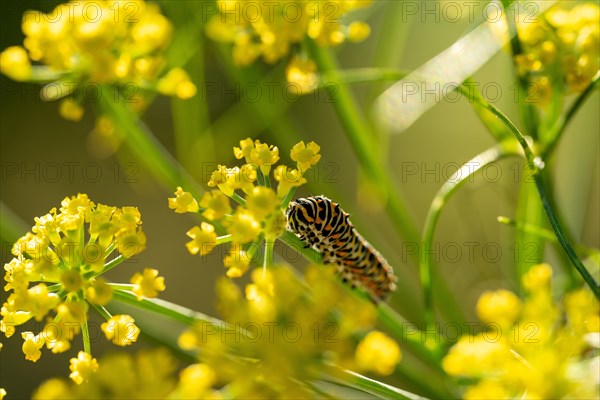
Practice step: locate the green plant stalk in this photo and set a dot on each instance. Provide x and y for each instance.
(239, 199)
(12, 227)
(357, 131)
(558, 230)
(528, 112)
(381, 390)
(146, 148)
(108, 266)
(543, 232)
(191, 121)
(295, 243)
(437, 205)
(170, 310)
(268, 261)
(529, 211)
(85, 333)
(559, 128)
(104, 313)
(407, 334)
(224, 239)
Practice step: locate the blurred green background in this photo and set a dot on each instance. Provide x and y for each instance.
(40, 150)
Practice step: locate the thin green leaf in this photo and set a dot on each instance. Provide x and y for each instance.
(381, 390)
(559, 128)
(167, 309)
(146, 148)
(398, 109)
(12, 226)
(458, 179)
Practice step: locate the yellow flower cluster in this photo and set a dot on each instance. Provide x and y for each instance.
(147, 374)
(560, 50)
(283, 331)
(535, 348)
(58, 267)
(83, 44)
(271, 29)
(260, 215)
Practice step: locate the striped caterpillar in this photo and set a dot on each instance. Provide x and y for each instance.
(324, 226)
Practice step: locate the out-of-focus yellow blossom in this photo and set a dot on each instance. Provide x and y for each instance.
(271, 30)
(121, 330)
(544, 353)
(177, 83)
(560, 50)
(70, 110)
(195, 381)
(538, 278)
(82, 367)
(262, 202)
(283, 331)
(501, 306)
(377, 352)
(204, 239)
(2, 393)
(216, 205)
(243, 226)
(65, 255)
(237, 261)
(147, 374)
(14, 63)
(259, 214)
(113, 43)
(183, 202)
(99, 292)
(301, 74)
(148, 283)
(358, 31)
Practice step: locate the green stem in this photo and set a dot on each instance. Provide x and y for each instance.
(381, 390)
(170, 310)
(85, 333)
(224, 239)
(295, 243)
(268, 261)
(288, 197)
(529, 228)
(146, 148)
(562, 123)
(560, 235)
(558, 230)
(437, 205)
(238, 199)
(408, 334)
(121, 286)
(12, 226)
(527, 110)
(360, 137)
(108, 266)
(104, 313)
(529, 210)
